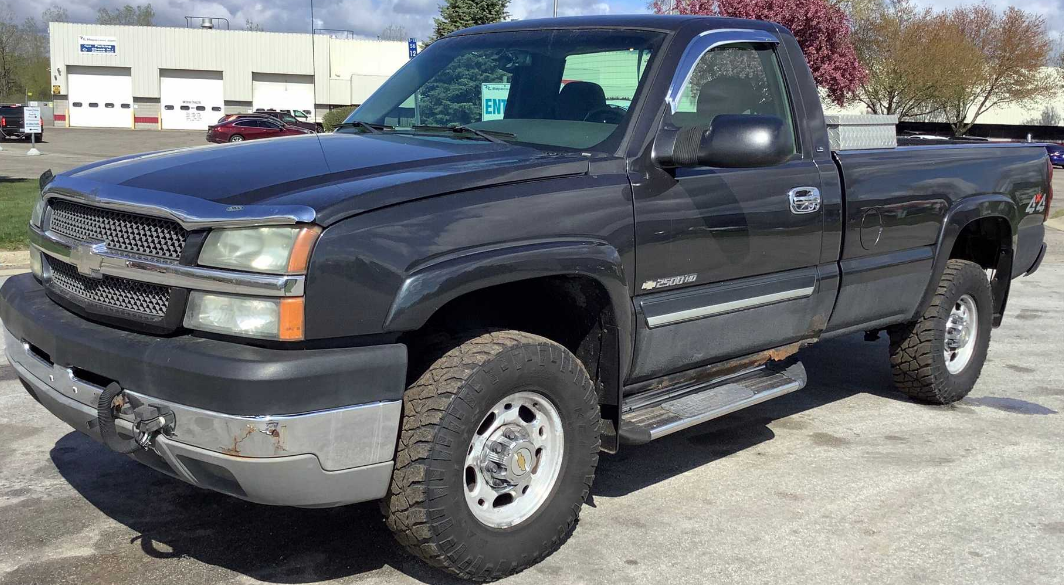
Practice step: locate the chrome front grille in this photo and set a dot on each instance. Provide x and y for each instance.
(116, 293)
(118, 230)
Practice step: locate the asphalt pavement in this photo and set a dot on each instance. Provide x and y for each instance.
(66, 148)
(846, 481)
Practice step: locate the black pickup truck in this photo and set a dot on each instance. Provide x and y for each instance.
(12, 123)
(539, 240)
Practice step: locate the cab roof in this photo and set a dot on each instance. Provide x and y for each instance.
(660, 22)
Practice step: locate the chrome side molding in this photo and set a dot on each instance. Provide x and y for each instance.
(728, 307)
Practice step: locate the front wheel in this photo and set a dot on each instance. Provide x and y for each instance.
(938, 358)
(497, 453)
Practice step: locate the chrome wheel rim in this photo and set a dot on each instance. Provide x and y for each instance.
(236, 139)
(514, 460)
(961, 330)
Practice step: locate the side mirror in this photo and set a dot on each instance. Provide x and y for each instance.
(732, 141)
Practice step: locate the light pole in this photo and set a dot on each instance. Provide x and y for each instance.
(555, 8)
(313, 70)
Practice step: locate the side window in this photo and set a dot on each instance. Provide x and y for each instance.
(735, 79)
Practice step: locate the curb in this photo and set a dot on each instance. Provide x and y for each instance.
(1057, 224)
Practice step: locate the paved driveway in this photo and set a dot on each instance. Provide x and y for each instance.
(66, 148)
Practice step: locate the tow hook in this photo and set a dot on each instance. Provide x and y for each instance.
(150, 421)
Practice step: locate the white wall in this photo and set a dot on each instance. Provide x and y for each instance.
(237, 54)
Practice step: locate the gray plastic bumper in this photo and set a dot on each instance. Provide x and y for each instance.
(317, 459)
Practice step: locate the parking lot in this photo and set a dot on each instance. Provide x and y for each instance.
(66, 148)
(845, 481)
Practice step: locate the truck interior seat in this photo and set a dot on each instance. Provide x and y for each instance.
(579, 98)
(726, 95)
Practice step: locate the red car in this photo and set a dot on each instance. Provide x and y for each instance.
(241, 129)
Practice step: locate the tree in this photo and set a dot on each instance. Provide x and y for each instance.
(393, 32)
(459, 14)
(1050, 116)
(1010, 53)
(127, 15)
(822, 31)
(10, 40)
(55, 14)
(251, 25)
(910, 56)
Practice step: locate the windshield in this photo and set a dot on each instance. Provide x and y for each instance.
(544, 88)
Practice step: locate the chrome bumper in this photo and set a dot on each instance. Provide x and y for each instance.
(315, 459)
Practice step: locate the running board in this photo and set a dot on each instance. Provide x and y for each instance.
(709, 401)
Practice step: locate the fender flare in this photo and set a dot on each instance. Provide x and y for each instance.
(431, 285)
(957, 218)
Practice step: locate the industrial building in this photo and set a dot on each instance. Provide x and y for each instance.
(186, 78)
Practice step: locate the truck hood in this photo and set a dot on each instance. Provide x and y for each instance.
(332, 176)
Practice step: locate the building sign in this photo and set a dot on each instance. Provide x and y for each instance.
(98, 45)
(411, 46)
(31, 119)
(493, 100)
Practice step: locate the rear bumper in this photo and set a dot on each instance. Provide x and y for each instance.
(1038, 260)
(302, 446)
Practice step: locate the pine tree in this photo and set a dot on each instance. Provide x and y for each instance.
(459, 14)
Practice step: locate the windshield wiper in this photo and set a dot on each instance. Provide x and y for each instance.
(489, 135)
(371, 128)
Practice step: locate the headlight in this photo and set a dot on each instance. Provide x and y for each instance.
(280, 319)
(38, 212)
(274, 250)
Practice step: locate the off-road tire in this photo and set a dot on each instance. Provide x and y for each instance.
(916, 349)
(426, 506)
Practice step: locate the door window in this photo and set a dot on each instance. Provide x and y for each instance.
(735, 79)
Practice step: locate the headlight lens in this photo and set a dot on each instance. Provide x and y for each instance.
(275, 250)
(280, 319)
(38, 212)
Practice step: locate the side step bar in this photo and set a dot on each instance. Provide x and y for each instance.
(709, 401)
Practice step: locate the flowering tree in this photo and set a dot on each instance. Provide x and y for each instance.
(821, 29)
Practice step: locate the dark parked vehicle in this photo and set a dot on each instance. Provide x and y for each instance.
(456, 315)
(1056, 154)
(241, 128)
(286, 117)
(12, 123)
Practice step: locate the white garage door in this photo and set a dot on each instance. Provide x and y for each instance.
(100, 97)
(191, 100)
(272, 91)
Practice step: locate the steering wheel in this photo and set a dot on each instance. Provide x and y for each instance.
(607, 115)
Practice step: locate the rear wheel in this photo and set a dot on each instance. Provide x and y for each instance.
(938, 358)
(496, 455)
(236, 138)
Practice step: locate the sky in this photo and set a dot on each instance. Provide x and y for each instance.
(369, 17)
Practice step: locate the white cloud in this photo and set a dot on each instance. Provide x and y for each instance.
(363, 17)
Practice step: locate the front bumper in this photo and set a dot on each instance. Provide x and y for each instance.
(337, 452)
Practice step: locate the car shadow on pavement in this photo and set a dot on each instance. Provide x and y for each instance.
(175, 520)
(837, 369)
(291, 545)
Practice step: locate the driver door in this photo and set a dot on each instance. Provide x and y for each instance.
(726, 264)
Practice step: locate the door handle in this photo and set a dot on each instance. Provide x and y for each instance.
(804, 200)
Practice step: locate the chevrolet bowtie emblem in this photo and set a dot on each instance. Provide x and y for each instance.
(521, 463)
(88, 259)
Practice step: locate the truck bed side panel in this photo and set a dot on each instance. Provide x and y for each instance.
(897, 203)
